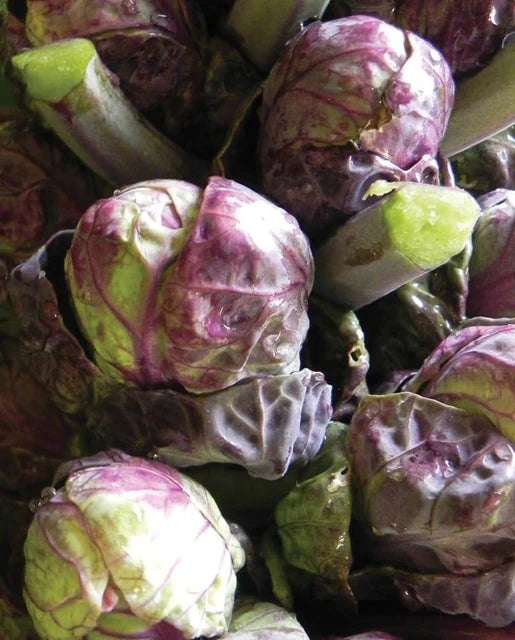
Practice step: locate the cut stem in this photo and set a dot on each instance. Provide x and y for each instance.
(78, 97)
(413, 230)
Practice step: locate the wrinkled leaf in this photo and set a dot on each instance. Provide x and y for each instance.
(266, 425)
(435, 485)
(474, 368)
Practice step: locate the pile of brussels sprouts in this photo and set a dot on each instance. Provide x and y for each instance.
(257, 319)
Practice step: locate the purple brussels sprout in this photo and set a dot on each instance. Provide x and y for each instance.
(435, 505)
(451, 471)
(154, 47)
(170, 282)
(129, 544)
(492, 264)
(265, 424)
(467, 32)
(350, 101)
(474, 369)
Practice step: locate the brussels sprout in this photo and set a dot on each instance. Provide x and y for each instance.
(172, 283)
(467, 32)
(350, 101)
(451, 471)
(128, 541)
(474, 368)
(492, 265)
(265, 423)
(154, 48)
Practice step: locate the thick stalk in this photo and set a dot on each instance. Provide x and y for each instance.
(484, 104)
(76, 96)
(261, 27)
(413, 230)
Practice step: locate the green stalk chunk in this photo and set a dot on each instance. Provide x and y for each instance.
(50, 73)
(413, 230)
(262, 27)
(78, 97)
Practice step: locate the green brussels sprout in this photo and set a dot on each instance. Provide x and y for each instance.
(128, 536)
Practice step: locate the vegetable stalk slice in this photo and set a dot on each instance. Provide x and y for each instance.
(415, 229)
(76, 96)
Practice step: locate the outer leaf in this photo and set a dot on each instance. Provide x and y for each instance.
(122, 251)
(266, 425)
(230, 84)
(236, 302)
(488, 597)
(65, 576)
(261, 29)
(313, 520)
(47, 346)
(255, 620)
(34, 435)
(43, 189)
(122, 624)
(403, 328)
(335, 345)
(384, 9)
(435, 483)
(474, 368)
